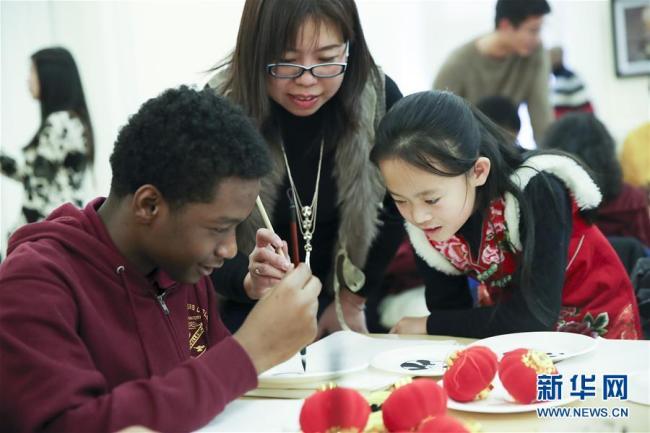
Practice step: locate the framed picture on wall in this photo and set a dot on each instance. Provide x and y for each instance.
(631, 29)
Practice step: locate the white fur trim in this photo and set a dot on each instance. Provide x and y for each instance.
(429, 254)
(409, 303)
(582, 187)
(511, 215)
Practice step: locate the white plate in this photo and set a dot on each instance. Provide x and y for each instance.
(499, 401)
(327, 359)
(416, 361)
(557, 345)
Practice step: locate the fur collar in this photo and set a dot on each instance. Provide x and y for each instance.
(581, 186)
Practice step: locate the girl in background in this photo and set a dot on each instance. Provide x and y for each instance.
(62, 150)
(624, 210)
(302, 70)
(478, 206)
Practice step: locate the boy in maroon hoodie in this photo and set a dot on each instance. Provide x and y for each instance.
(107, 314)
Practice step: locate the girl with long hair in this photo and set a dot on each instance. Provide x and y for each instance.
(516, 222)
(57, 158)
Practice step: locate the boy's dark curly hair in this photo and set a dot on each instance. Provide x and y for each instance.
(184, 142)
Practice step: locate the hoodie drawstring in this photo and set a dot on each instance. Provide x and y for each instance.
(120, 271)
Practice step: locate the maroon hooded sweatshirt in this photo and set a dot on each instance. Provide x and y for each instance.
(86, 346)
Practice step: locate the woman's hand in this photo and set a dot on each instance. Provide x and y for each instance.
(353, 307)
(265, 266)
(411, 325)
(283, 321)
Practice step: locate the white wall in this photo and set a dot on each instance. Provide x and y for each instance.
(130, 51)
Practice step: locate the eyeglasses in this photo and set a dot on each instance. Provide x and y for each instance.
(320, 70)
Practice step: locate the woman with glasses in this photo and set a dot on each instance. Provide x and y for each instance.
(302, 70)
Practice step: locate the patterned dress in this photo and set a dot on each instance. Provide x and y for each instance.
(54, 169)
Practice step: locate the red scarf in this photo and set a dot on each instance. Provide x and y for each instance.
(496, 262)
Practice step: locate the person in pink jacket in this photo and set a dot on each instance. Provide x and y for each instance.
(108, 317)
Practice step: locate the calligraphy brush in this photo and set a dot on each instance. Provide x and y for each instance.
(293, 233)
(295, 255)
(267, 222)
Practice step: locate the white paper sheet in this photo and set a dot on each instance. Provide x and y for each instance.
(365, 381)
(342, 358)
(343, 350)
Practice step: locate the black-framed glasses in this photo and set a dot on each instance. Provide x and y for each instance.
(320, 70)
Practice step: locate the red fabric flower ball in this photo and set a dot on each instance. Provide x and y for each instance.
(469, 373)
(407, 406)
(443, 424)
(518, 372)
(334, 409)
